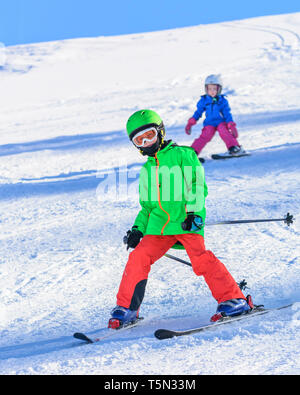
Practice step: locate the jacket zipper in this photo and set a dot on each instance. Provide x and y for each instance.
(158, 193)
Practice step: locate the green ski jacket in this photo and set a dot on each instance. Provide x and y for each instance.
(171, 184)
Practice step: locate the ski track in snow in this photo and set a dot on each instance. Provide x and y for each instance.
(61, 252)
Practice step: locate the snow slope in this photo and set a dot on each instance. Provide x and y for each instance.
(64, 106)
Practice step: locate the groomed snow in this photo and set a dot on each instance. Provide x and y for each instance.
(64, 106)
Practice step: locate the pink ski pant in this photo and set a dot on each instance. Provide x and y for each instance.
(208, 133)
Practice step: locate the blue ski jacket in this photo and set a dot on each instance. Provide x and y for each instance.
(216, 109)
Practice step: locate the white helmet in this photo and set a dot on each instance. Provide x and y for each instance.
(214, 79)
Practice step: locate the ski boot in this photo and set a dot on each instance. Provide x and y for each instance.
(232, 308)
(121, 317)
(236, 150)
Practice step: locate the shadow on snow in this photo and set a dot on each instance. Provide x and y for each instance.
(92, 140)
(262, 162)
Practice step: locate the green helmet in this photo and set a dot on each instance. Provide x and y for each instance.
(141, 120)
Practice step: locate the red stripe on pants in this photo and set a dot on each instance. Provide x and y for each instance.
(151, 248)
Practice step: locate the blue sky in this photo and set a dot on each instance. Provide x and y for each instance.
(28, 21)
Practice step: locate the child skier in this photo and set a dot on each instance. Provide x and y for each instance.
(168, 217)
(218, 118)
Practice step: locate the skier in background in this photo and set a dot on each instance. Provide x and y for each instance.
(218, 118)
(165, 220)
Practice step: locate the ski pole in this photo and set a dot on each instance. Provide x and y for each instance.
(288, 219)
(177, 259)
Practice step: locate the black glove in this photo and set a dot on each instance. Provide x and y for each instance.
(133, 237)
(192, 222)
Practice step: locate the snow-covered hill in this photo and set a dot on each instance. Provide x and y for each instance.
(64, 106)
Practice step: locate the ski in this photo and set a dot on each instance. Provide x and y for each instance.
(107, 333)
(228, 156)
(162, 334)
(83, 337)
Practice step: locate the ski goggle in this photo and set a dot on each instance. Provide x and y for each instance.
(145, 136)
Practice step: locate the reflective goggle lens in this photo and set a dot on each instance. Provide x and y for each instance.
(144, 136)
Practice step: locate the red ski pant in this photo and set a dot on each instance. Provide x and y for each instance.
(151, 248)
(208, 133)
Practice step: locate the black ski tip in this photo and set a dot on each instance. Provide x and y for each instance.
(83, 337)
(162, 334)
